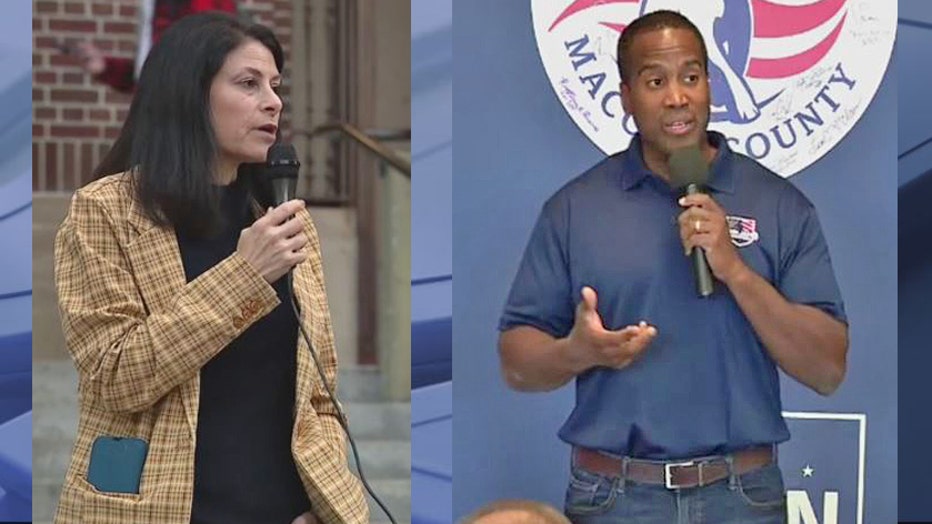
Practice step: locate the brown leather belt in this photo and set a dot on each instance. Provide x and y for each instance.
(675, 474)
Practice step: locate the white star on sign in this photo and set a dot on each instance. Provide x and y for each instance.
(807, 471)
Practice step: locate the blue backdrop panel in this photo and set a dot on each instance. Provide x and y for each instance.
(515, 145)
(431, 264)
(16, 263)
(431, 146)
(430, 352)
(431, 461)
(915, 255)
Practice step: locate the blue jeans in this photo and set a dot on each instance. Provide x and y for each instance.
(757, 497)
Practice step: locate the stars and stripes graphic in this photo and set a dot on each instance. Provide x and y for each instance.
(743, 230)
(777, 27)
(788, 78)
(754, 39)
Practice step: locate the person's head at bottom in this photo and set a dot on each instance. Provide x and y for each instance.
(516, 512)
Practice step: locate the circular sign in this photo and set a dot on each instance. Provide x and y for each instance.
(789, 78)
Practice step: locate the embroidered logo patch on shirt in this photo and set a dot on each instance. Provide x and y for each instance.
(743, 230)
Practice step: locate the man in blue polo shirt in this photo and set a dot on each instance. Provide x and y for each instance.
(677, 397)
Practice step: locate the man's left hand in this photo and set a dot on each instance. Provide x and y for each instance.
(703, 224)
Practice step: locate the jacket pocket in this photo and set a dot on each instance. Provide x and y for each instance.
(101, 507)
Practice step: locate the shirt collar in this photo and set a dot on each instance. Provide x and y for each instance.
(721, 174)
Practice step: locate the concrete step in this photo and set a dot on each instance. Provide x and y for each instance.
(383, 458)
(396, 495)
(360, 383)
(379, 420)
(54, 426)
(45, 499)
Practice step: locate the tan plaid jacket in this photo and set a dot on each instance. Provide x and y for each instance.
(139, 335)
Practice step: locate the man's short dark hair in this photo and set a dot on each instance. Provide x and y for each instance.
(652, 22)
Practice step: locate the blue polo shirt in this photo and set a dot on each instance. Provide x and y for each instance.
(706, 385)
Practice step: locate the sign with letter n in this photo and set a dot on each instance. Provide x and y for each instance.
(823, 467)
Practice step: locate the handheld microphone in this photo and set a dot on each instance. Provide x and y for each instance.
(281, 174)
(689, 172)
(281, 170)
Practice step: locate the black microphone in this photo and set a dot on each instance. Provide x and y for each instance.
(281, 171)
(281, 175)
(689, 173)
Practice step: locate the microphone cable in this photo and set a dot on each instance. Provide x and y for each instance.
(323, 379)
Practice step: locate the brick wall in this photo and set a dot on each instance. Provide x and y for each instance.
(76, 119)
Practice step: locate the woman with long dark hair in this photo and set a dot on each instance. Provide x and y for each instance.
(199, 401)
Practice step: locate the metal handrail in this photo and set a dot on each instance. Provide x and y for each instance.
(377, 148)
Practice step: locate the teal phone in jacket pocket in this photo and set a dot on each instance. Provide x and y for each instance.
(116, 464)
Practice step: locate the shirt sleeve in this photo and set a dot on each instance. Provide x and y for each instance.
(541, 295)
(806, 275)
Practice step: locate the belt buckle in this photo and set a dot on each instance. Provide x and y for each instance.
(668, 473)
